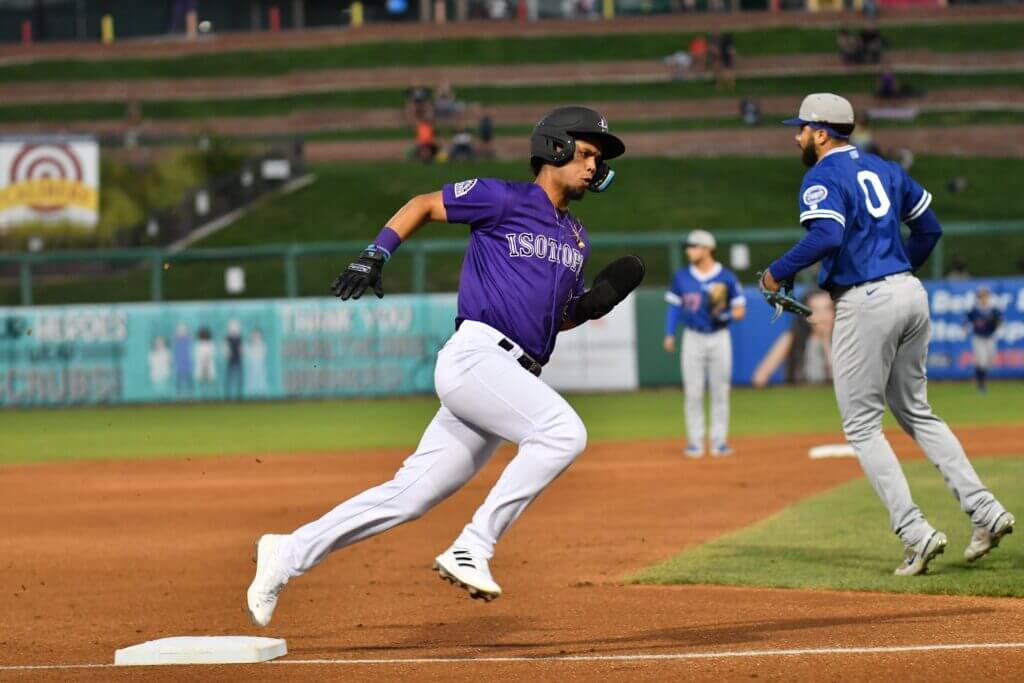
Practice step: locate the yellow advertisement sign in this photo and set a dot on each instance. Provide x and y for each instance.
(50, 193)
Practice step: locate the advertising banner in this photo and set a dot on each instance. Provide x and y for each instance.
(49, 179)
(793, 351)
(598, 356)
(299, 348)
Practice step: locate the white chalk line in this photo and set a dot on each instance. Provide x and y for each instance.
(674, 656)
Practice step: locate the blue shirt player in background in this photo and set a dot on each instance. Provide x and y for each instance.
(852, 204)
(704, 297)
(984, 319)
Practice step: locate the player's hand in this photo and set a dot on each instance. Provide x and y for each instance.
(366, 271)
(768, 281)
(669, 344)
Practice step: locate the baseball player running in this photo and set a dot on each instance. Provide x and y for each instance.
(984, 319)
(705, 298)
(521, 283)
(852, 204)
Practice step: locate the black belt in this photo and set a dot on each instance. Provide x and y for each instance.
(838, 291)
(526, 360)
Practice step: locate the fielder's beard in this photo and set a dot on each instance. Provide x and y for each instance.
(810, 154)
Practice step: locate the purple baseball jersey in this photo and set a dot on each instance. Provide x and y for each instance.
(523, 270)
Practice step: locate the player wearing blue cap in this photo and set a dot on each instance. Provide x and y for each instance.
(983, 319)
(852, 204)
(704, 298)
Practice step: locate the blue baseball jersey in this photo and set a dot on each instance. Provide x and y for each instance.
(984, 321)
(523, 271)
(870, 198)
(688, 299)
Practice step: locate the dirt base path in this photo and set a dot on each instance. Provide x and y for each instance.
(99, 555)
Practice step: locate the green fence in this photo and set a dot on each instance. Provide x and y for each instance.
(663, 251)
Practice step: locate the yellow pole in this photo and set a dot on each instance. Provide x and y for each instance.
(609, 9)
(357, 14)
(107, 29)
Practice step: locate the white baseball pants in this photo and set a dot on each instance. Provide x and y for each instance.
(486, 397)
(707, 357)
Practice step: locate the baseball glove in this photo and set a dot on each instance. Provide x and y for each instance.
(783, 299)
(718, 295)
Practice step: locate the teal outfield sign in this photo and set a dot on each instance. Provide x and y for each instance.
(297, 348)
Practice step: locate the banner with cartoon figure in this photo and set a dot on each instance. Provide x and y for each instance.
(49, 179)
(299, 348)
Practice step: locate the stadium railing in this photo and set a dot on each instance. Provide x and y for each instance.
(159, 260)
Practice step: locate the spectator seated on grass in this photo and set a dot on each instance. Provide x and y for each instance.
(462, 145)
(890, 87)
(680, 61)
(872, 44)
(851, 51)
(699, 53)
(486, 132)
(445, 105)
(750, 111)
(426, 143)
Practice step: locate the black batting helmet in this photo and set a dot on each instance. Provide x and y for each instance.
(554, 139)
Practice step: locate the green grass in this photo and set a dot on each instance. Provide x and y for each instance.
(198, 429)
(937, 118)
(351, 201)
(493, 95)
(511, 50)
(841, 540)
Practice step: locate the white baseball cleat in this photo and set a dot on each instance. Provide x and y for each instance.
(694, 450)
(269, 579)
(986, 538)
(921, 554)
(461, 568)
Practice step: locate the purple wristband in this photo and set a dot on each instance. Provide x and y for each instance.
(387, 240)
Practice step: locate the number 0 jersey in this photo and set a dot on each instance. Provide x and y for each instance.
(870, 198)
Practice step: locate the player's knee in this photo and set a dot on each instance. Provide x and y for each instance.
(862, 427)
(567, 434)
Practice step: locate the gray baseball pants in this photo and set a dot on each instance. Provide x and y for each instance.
(879, 349)
(707, 357)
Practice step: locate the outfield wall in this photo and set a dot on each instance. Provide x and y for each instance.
(320, 348)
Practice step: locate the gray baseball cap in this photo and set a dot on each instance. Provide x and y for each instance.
(700, 238)
(820, 109)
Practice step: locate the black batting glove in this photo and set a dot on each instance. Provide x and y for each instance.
(365, 272)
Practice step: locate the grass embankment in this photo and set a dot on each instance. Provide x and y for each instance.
(966, 37)
(494, 95)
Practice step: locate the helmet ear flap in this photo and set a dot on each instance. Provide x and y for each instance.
(603, 177)
(553, 146)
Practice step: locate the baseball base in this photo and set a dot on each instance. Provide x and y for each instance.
(202, 650)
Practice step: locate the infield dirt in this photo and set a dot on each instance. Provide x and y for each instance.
(99, 555)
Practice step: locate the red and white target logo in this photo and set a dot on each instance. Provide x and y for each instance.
(44, 164)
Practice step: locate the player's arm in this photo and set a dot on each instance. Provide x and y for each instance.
(673, 314)
(366, 271)
(613, 284)
(737, 302)
(925, 230)
(824, 235)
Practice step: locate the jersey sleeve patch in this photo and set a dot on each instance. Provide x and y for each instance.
(463, 188)
(814, 195)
